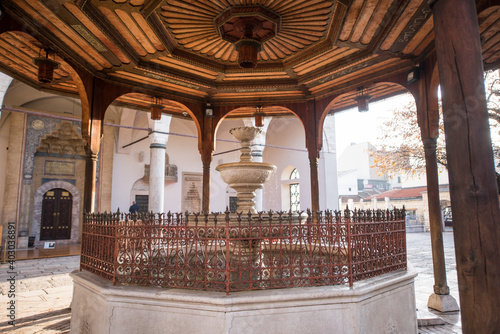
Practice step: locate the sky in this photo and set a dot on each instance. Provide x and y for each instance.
(351, 126)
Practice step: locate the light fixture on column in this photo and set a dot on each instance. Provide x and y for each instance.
(46, 65)
(259, 116)
(156, 107)
(362, 99)
(413, 75)
(209, 111)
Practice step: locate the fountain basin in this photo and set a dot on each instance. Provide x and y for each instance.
(245, 133)
(245, 178)
(249, 173)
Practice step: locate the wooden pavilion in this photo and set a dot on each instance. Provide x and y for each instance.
(302, 57)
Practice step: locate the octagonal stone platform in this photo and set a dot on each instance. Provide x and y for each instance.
(384, 304)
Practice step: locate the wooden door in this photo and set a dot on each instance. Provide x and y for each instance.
(56, 215)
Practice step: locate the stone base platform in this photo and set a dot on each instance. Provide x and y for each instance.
(384, 304)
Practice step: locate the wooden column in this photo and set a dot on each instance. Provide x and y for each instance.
(313, 144)
(98, 95)
(206, 147)
(474, 195)
(89, 190)
(435, 220)
(428, 121)
(439, 300)
(313, 166)
(92, 150)
(205, 203)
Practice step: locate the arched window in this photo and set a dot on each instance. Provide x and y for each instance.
(294, 191)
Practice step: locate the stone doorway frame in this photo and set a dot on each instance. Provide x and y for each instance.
(75, 211)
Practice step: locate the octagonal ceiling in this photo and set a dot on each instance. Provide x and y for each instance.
(304, 24)
(173, 47)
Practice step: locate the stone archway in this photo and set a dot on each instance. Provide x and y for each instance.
(75, 210)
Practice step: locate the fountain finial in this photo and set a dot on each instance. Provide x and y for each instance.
(245, 134)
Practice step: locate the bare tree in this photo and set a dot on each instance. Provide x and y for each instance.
(402, 151)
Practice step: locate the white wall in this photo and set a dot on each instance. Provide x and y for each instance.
(126, 165)
(183, 152)
(348, 183)
(286, 132)
(327, 165)
(5, 82)
(410, 181)
(21, 95)
(356, 157)
(127, 169)
(219, 191)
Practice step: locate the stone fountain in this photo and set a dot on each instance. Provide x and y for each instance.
(246, 176)
(367, 307)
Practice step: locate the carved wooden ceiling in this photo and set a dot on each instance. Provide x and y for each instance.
(175, 47)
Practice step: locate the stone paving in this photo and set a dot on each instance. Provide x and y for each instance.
(420, 261)
(43, 293)
(44, 289)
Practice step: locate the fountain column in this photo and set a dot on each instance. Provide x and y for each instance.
(158, 139)
(257, 149)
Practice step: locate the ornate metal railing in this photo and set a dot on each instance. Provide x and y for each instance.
(234, 252)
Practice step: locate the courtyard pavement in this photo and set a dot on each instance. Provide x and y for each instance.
(43, 290)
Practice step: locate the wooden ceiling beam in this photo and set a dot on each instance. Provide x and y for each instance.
(149, 7)
(387, 24)
(44, 36)
(108, 29)
(484, 4)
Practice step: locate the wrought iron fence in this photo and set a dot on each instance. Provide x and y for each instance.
(235, 252)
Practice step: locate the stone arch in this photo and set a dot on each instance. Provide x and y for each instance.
(285, 174)
(75, 210)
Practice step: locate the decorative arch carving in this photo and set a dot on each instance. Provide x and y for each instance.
(64, 140)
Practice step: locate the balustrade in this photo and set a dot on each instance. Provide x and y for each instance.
(234, 252)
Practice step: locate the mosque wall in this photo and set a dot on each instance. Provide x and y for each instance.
(40, 147)
(327, 165)
(12, 172)
(127, 169)
(182, 151)
(106, 157)
(287, 133)
(4, 150)
(220, 193)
